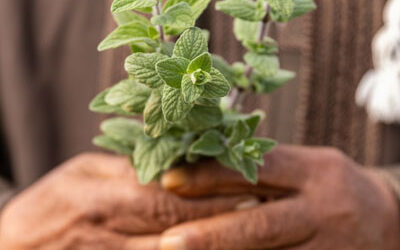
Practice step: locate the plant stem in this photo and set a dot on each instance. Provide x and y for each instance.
(157, 12)
(239, 94)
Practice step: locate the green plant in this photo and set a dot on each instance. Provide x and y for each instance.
(178, 86)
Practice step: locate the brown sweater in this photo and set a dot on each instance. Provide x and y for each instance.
(50, 69)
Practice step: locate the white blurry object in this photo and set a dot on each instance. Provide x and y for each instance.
(379, 90)
(391, 13)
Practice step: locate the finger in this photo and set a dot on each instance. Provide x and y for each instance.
(285, 170)
(151, 242)
(272, 225)
(89, 236)
(161, 212)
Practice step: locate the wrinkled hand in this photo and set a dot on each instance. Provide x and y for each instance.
(331, 204)
(95, 202)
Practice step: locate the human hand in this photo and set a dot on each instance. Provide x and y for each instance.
(331, 204)
(95, 202)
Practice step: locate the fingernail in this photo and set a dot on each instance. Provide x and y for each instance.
(172, 243)
(247, 204)
(174, 179)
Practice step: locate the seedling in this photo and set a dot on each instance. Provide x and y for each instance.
(178, 87)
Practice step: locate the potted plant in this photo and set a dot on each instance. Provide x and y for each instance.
(190, 99)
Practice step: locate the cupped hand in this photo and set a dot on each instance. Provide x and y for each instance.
(330, 204)
(95, 202)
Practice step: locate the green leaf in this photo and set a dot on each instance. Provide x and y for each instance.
(200, 77)
(129, 33)
(109, 143)
(208, 102)
(243, 165)
(191, 91)
(155, 124)
(281, 10)
(240, 131)
(243, 9)
(122, 129)
(197, 6)
(269, 84)
(223, 66)
(151, 156)
(171, 70)
(176, 18)
(167, 48)
(173, 105)
(202, 62)
(131, 95)
(302, 7)
(191, 44)
(209, 144)
(254, 148)
(265, 65)
(202, 117)
(126, 17)
(99, 105)
(142, 66)
(217, 87)
(246, 30)
(267, 47)
(252, 120)
(265, 144)
(124, 5)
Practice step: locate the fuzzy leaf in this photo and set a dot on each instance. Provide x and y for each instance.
(167, 48)
(173, 105)
(109, 143)
(266, 47)
(243, 9)
(254, 148)
(217, 87)
(281, 10)
(243, 165)
(133, 96)
(129, 33)
(99, 105)
(224, 67)
(209, 144)
(191, 92)
(240, 131)
(124, 5)
(191, 44)
(202, 117)
(143, 68)
(176, 18)
(265, 145)
(155, 124)
(302, 7)
(171, 70)
(197, 6)
(269, 84)
(265, 65)
(202, 62)
(151, 156)
(208, 102)
(126, 17)
(246, 30)
(122, 129)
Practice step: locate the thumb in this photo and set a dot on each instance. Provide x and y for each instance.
(273, 225)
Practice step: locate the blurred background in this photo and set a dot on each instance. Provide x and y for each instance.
(50, 70)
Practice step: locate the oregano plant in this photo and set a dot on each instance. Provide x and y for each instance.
(178, 86)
